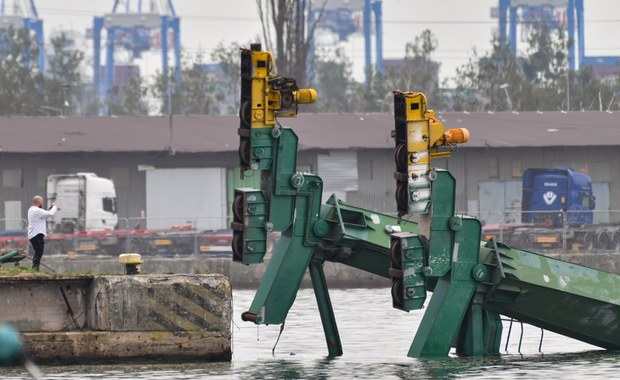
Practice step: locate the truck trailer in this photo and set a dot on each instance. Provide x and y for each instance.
(557, 213)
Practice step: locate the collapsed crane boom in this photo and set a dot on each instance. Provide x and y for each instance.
(472, 281)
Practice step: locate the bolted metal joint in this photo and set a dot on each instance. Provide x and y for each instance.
(297, 180)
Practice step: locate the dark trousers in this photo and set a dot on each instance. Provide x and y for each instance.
(38, 243)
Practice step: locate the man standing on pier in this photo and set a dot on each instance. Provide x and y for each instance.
(37, 227)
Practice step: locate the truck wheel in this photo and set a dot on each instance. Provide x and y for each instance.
(615, 242)
(603, 241)
(588, 242)
(523, 241)
(54, 248)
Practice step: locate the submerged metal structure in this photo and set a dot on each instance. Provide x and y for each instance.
(472, 281)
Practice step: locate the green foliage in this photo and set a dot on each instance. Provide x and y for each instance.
(490, 82)
(63, 85)
(19, 270)
(376, 94)
(536, 81)
(334, 82)
(418, 71)
(21, 86)
(229, 58)
(64, 65)
(197, 93)
(131, 99)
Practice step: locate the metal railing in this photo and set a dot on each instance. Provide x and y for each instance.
(178, 236)
(570, 231)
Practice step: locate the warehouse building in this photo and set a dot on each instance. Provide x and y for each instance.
(184, 171)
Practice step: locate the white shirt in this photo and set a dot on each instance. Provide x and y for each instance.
(37, 220)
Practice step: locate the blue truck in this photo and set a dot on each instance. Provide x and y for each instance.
(557, 213)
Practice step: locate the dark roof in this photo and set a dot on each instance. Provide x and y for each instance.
(204, 133)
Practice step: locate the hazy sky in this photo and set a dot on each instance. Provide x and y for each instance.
(458, 25)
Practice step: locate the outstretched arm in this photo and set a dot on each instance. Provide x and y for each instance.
(47, 213)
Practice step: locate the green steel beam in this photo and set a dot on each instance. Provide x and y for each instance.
(566, 298)
(358, 237)
(481, 331)
(278, 287)
(451, 297)
(328, 320)
(442, 319)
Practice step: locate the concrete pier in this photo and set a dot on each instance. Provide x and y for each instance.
(73, 319)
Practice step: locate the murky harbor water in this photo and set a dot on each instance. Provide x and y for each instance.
(375, 340)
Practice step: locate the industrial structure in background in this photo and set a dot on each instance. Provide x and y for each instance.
(555, 14)
(24, 14)
(473, 281)
(135, 27)
(345, 17)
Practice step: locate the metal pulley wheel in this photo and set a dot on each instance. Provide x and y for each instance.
(402, 195)
(244, 152)
(400, 157)
(237, 246)
(245, 114)
(396, 254)
(398, 292)
(238, 208)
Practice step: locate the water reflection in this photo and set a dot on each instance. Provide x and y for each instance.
(375, 340)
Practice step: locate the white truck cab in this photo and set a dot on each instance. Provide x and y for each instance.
(85, 202)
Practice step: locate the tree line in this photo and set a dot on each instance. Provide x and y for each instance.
(537, 79)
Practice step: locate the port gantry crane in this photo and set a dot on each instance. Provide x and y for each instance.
(472, 281)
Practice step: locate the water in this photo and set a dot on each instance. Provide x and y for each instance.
(375, 340)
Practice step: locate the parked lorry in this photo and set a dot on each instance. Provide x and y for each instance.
(556, 213)
(88, 203)
(87, 222)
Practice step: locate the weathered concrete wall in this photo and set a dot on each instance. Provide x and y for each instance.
(38, 305)
(241, 276)
(180, 304)
(79, 347)
(121, 318)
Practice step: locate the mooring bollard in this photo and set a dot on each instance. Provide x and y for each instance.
(132, 262)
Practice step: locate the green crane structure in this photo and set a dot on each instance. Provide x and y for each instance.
(472, 281)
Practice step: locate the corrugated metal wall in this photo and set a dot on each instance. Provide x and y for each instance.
(338, 170)
(376, 181)
(195, 196)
